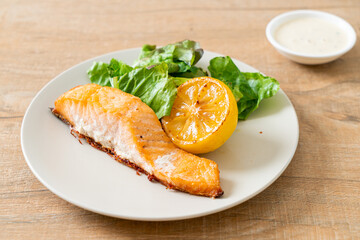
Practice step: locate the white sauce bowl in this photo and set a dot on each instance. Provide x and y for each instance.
(310, 59)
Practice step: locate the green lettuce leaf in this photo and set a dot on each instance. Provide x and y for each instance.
(179, 80)
(257, 88)
(99, 74)
(118, 68)
(224, 69)
(193, 72)
(102, 73)
(152, 86)
(179, 57)
(252, 88)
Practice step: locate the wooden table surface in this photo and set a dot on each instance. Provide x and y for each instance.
(317, 197)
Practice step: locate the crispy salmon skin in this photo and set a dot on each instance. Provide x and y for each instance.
(125, 127)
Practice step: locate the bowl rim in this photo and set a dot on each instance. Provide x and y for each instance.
(349, 30)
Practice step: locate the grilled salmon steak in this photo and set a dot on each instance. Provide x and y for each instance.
(128, 130)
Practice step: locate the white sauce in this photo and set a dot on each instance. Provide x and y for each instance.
(311, 35)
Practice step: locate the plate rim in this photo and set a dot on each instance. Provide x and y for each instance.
(154, 218)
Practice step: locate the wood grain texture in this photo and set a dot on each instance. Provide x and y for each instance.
(317, 197)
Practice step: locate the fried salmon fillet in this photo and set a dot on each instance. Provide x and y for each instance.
(126, 128)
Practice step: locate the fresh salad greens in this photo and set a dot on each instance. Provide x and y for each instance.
(225, 70)
(180, 58)
(99, 74)
(158, 72)
(248, 88)
(152, 86)
(103, 73)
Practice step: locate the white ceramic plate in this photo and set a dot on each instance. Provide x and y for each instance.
(249, 161)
